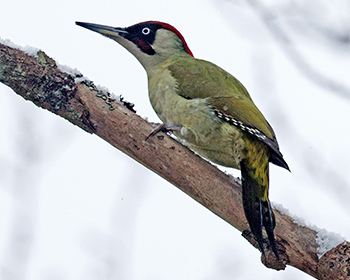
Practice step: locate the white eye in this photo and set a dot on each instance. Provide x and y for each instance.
(146, 31)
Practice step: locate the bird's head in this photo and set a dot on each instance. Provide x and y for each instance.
(151, 42)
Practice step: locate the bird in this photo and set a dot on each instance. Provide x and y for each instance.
(210, 110)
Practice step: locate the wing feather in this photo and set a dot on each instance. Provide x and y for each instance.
(224, 93)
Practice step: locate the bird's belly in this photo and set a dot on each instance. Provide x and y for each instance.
(221, 144)
(204, 133)
(197, 123)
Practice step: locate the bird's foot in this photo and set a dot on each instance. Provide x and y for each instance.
(162, 128)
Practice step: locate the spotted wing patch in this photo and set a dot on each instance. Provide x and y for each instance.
(271, 143)
(242, 126)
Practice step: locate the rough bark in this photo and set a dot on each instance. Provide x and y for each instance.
(39, 80)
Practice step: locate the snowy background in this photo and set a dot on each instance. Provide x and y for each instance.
(73, 207)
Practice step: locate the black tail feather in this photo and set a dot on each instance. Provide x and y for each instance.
(252, 206)
(253, 213)
(269, 224)
(258, 213)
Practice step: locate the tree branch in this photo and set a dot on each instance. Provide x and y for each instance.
(39, 80)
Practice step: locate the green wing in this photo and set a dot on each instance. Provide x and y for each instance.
(224, 93)
(202, 79)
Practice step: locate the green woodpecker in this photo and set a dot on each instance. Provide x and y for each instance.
(209, 109)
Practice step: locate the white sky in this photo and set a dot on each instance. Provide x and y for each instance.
(73, 207)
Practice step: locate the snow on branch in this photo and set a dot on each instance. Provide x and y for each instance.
(68, 94)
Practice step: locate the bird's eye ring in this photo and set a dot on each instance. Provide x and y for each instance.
(146, 31)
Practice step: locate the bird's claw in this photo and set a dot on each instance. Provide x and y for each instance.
(162, 128)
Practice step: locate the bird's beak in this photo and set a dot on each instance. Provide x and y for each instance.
(111, 32)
